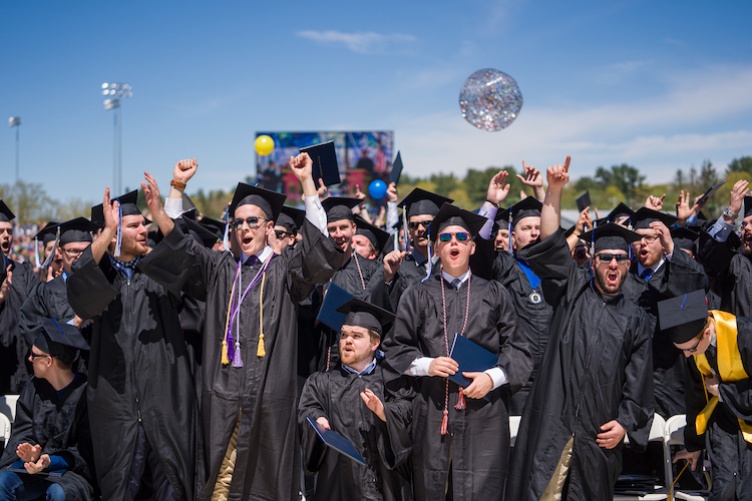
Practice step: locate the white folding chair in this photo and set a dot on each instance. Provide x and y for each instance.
(657, 433)
(4, 430)
(514, 427)
(8, 406)
(675, 436)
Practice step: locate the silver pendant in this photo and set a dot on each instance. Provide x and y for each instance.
(535, 298)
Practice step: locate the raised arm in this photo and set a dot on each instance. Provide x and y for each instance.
(558, 177)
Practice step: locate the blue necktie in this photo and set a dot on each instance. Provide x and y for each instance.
(646, 274)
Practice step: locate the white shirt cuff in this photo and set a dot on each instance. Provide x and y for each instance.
(419, 367)
(315, 213)
(173, 207)
(498, 376)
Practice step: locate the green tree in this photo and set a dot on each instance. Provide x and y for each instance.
(624, 177)
(741, 164)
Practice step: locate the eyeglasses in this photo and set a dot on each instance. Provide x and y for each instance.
(461, 236)
(607, 258)
(694, 348)
(413, 225)
(282, 234)
(649, 238)
(253, 222)
(37, 355)
(73, 252)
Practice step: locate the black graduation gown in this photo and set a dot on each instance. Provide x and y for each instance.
(730, 273)
(335, 395)
(476, 450)
(139, 374)
(61, 427)
(50, 300)
(597, 368)
(14, 370)
(534, 314)
(267, 465)
(679, 276)
(358, 276)
(730, 455)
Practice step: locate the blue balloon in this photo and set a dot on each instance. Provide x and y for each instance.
(377, 189)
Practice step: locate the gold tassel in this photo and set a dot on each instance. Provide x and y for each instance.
(261, 350)
(225, 356)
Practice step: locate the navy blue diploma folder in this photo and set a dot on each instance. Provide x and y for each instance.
(325, 164)
(337, 442)
(471, 357)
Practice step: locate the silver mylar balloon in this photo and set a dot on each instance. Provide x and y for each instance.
(490, 99)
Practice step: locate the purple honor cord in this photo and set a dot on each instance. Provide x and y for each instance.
(235, 303)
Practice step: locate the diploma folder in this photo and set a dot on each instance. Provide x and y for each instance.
(337, 442)
(471, 357)
(325, 165)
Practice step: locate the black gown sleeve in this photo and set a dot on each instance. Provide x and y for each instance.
(395, 442)
(552, 261)
(313, 404)
(89, 290)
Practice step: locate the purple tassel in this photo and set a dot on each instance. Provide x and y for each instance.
(237, 360)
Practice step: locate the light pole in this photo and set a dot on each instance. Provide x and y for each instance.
(116, 91)
(16, 122)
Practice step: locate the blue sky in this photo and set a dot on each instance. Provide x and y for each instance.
(659, 85)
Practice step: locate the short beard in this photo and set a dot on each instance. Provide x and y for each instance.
(602, 286)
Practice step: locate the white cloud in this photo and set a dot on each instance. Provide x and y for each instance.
(363, 42)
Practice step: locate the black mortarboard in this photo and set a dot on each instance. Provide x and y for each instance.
(620, 211)
(527, 207)
(338, 208)
(644, 216)
(270, 202)
(128, 204)
(611, 236)
(359, 313)
(97, 215)
(709, 193)
(683, 317)
(291, 219)
(214, 225)
(47, 234)
(583, 201)
(374, 234)
(76, 230)
(201, 233)
(325, 164)
(396, 172)
(684, 238)
(59, 340)
(747, 207)
(328, 315)
(450, 215)
(502, 219)
(188, 207)
(420, 201)
(6, 215)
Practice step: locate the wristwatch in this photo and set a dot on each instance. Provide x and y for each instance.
(727, 214)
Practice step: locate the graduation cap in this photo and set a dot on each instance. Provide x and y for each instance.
(451, 215)
(97, 215)
(502, 219)
(527, 207)
(270, 202)
(583, 201)
(201, 233)
(644, 216)
(76, 230)
(325, 164)
(683, 317)
(128, 203)
(189, 207)
(359, 313)
(214, 225)
(47, 234)
(6, 215)
(709, 193)
(59, 340)
(611, 236)
(620, 211)
(338, 208)
(684, 238)
(747, 207)
(374, 234)
(396, 172)
(291, 219)
(420, 201)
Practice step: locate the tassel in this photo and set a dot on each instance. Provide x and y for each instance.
(261, 351)
(237, 360)
(460, 401)
(37, 263)
(444, 423)
(225, 358)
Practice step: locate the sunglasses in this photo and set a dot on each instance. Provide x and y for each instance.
(606, 258)
(461, 236)
(282, 234)
(414, 225)
(253, 222)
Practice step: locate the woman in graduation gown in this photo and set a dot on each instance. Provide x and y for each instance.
(461, 441)
(350, 399)
(249, 392)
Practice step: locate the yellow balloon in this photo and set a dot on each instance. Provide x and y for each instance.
(264, 145)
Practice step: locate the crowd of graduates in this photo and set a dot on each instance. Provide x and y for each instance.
(282, 352)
